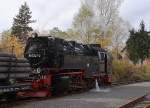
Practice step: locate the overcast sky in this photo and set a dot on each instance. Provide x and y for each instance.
(60, 13)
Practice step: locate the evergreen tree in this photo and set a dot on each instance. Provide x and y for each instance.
(21, 23)
(131, 47)
(138, 44)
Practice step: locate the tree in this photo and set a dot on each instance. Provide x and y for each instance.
(138, 44)
(131, 47)
(106, 11)
(97, 22)
(120, 30)
(83, 24)
(113, 28)
(56, 32)
(12, 44)
(21, 23)
(6, 33)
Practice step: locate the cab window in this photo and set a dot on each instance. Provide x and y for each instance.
(101, 56)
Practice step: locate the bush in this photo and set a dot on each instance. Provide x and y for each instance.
(124, 71)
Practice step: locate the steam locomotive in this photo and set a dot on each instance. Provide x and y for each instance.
(49, 52)
(52, 66)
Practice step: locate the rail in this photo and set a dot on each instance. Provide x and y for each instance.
(140, 102)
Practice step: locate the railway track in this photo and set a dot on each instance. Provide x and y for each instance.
(140, 102)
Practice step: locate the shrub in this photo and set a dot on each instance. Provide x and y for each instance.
(124, 71)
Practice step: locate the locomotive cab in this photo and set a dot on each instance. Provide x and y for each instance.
(105, 66)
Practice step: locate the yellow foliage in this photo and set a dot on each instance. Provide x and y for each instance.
(12, 44)
(105, 42)
(124, 71)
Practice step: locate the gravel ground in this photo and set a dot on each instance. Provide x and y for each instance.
(110, 98)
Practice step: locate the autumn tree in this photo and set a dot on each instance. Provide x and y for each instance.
(21, 23)
(97, 22)
(12, 44)
(83, 24)
(120, 30)
(106, 11)
(106, 15)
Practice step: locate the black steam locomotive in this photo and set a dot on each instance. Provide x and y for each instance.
(53, 66)
(49, 52)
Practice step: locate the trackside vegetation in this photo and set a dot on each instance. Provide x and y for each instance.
(126, 72)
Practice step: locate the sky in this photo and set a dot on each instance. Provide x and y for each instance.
(60, 13)
(134, 11)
